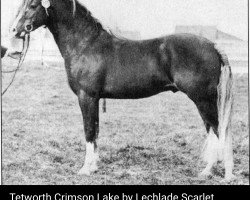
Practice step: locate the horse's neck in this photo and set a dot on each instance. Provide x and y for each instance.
(75, 35)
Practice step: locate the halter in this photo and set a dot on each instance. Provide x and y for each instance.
(46, 5)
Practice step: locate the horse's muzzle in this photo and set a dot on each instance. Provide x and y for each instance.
(21, 33)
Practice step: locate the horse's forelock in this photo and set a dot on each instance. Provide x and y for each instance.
(20, 7)
(25, 4)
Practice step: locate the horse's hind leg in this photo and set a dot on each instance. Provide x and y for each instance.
(209, 113)
(90, 108)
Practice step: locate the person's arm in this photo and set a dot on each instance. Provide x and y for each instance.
(3, 51)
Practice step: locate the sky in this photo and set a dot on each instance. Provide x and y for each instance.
(159, 17)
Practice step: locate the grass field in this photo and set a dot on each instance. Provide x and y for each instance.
(156, 140)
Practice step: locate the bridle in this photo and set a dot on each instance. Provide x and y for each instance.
(45, 4)
(28, 28)
(26, 41)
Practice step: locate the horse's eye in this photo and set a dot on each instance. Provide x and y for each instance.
(32, 6)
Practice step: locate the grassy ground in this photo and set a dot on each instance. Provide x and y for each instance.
(155, 140)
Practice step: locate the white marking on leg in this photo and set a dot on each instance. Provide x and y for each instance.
(207, 171)
(211, 153)
(91, 159)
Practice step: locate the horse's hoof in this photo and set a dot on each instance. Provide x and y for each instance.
(87, 170)
(228, 178)
(205, 174)
(84, 171)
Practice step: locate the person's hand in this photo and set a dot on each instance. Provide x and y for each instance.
(15, 55)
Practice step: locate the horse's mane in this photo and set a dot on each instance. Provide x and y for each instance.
(22, 5)
(88, 14)
(100, 23)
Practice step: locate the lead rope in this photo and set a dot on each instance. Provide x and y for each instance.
(26, 41)
(43, 38)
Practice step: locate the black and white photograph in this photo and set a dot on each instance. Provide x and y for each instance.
(124, 92)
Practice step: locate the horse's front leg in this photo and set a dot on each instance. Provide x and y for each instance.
(90, 108)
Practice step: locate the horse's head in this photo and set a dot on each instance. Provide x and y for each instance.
(31, 15)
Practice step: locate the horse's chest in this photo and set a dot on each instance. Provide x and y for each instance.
(85, 73)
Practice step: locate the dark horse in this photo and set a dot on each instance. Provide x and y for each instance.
(101, 65)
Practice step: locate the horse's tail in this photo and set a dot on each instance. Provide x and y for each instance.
(225, 106)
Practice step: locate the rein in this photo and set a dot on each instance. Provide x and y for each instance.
(26, 41)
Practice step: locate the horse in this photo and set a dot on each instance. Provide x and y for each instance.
(100, 64)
